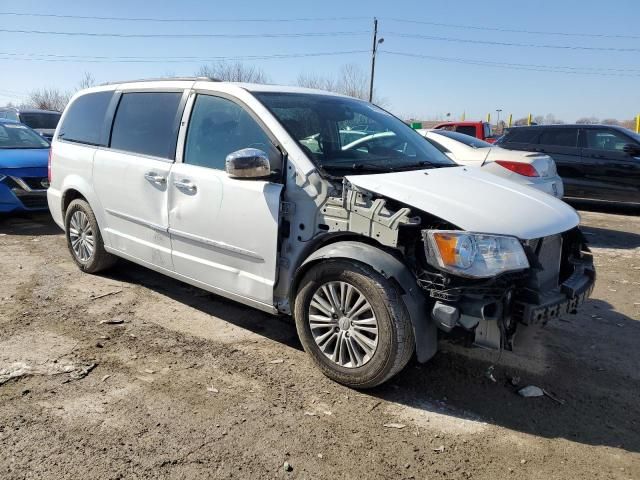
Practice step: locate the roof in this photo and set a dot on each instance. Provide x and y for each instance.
(453, 122)
(188, 82)
(29, 110)
(572, 125)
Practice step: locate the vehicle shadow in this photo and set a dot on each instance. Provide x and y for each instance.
(278, 328)
(603, 207)
(598, 389)
(588, 362)
(607, 238)
(39, 223)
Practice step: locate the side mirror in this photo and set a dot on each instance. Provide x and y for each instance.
(248, 163)
(632, 149)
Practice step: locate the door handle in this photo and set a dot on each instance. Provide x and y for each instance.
(186, 185)
(155, 178)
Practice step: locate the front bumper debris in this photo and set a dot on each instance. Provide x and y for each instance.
(561, 301)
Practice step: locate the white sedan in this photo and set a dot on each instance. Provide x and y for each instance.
(536, 170)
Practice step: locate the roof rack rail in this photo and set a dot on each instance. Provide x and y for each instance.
(168, 79)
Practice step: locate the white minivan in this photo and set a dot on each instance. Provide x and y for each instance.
(247, 191)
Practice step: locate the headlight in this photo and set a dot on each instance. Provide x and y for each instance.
(474, 255)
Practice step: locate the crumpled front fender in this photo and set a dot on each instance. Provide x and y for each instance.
(424, 329)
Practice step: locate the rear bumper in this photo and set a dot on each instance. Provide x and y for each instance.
(551, 185)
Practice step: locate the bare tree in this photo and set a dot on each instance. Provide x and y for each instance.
(48, 99)
(87, 81)
(351, 80)
(588, 120)
(314, 80)
(51, 98)
(233, 72)
(610, 121)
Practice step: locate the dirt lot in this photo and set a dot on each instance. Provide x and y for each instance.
(193, 386)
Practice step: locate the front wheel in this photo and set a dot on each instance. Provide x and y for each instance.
(353, 323)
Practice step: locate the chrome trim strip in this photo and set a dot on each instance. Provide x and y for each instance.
(139, 221)
(24, 185)
(215, 244)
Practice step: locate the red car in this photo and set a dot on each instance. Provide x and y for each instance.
(481, 130)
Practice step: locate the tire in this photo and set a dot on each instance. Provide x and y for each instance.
(394, 344)
(81, 227)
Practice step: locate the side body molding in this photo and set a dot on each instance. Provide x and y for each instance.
(424, 329)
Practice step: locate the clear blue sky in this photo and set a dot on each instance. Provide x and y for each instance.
(416, 87)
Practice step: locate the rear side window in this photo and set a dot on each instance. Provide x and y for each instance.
(84, 120)
(147, 123)
(40, 120)
(605, 139)
(560, 137)
(524, 135)
(466, 129)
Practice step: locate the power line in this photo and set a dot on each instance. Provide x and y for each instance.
(509, 44)
(515, 66)
(189, 35)
(508, 30)
(185, 20)
(38, 57)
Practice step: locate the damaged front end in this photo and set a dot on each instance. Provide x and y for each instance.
(560, 276)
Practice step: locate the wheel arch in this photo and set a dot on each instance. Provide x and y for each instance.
(425, 331)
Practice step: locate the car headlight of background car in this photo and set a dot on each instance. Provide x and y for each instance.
(475, 255)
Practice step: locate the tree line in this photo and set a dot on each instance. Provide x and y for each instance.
(350, 80)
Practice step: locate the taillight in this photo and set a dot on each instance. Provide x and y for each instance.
(525, 169)
(49, 167)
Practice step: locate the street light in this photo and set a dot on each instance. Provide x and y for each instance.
(498, 110)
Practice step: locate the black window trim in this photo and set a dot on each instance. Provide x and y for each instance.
(233, 99)
(112, 109)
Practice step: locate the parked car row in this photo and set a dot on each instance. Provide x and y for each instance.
(535, 170)
(319, 206)
(23, 168)
(596, 162)
(42, 121)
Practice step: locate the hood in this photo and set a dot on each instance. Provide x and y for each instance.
(23, 158)
(475, 201)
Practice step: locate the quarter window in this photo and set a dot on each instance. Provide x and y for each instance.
(466, 129)
(147, 123)
(605, 139)
(561, 137)
(219, 127)
(521, 135)
(84, 120)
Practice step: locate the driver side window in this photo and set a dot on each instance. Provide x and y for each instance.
(219, 127)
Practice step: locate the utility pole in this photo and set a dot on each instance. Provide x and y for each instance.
(374, 50)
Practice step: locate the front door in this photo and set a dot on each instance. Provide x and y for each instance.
(614, 175)
(224, 231)
(131, 176)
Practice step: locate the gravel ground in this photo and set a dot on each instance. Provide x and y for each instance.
(188, 385)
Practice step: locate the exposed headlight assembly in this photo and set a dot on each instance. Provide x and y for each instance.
(475, 255)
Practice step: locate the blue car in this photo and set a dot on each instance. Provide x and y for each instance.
(23, 168)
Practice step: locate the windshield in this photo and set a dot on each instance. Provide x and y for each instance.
(344, 135)
(466, 139)
(43, 120)
(15, 135)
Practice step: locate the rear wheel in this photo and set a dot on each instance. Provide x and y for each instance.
(353, 323)
(84, 239)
